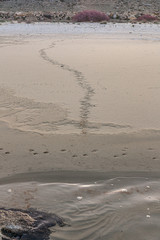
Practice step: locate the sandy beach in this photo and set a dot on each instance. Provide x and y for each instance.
(80, 132)
(80, 102)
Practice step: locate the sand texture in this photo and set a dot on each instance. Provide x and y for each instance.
(79, 103)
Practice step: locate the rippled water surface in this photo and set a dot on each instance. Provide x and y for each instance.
(119, 208)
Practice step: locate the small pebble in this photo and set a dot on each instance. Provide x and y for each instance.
(124, 190)
(79, 198)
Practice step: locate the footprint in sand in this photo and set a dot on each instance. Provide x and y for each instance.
(7, 152)
(150, 149)
(45, 152)
(31, 150)
(74, 155)
(115, 156)
(85, 155)
(1, 149)
(94, 150)
(35, 153)
(63, 150)
(124, 154)
(125, 148)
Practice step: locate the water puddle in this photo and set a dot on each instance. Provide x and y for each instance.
(118, 208)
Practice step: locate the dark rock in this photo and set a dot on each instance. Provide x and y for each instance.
(17, 224)
(47, 15)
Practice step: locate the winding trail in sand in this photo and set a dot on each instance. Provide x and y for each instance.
(82, 82)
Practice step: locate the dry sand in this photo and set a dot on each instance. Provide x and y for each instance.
(79, 103)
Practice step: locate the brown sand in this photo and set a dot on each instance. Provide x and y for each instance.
(79, 104)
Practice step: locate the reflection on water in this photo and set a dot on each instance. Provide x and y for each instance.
(119, 208)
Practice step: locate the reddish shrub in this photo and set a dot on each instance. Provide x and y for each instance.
(147, 18)
(90, 16)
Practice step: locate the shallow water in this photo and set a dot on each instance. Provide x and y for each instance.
(118, 208)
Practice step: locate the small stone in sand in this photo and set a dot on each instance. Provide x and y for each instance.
(79, 198)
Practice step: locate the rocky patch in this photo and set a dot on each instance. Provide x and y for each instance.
(17, 224)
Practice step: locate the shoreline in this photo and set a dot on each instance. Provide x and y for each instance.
(75, 177)
(122, 30)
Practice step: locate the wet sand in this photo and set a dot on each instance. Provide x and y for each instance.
(79, 103)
